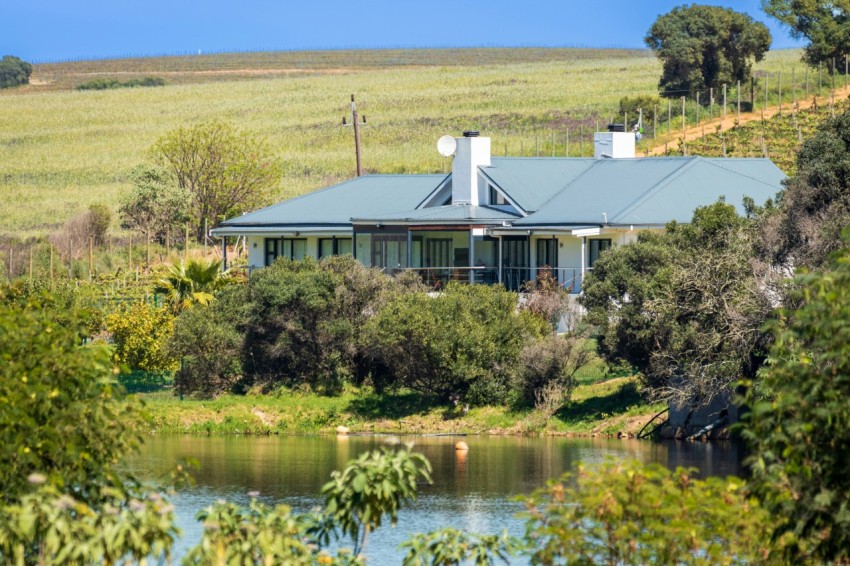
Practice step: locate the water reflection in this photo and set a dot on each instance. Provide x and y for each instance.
(471, 489)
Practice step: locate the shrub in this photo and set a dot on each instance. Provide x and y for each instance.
(547, 363)
(630, 513)
(14, 71)
(305, 321)
(107, 84)
(139, 333)
(99, 218)
(464, 343)
(208, 344)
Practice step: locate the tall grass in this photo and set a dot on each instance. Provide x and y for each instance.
(64, 150)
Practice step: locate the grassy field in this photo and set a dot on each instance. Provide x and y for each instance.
(62, 150)
(605, 408)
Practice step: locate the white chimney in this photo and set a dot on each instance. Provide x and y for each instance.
(472, 152)
(615, 145)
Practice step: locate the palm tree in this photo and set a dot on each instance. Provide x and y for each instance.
(193, 283)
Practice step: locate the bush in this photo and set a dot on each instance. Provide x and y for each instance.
(139, 333)
(208, 344)
(630, 513)
(14, 71)
(305, 321)
(552, 361)
(99, 218)
(465, 343)
(107, 84)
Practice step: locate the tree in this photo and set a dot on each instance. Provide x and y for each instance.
(815, 204)
(224, 171)
(799, 424)
(192, 283)
(685, 308)
(14, 71)
(703, 47)
(156, 206)
(825, 24)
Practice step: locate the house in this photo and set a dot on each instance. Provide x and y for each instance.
(501, 220)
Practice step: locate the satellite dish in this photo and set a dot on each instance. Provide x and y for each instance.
(446, 145)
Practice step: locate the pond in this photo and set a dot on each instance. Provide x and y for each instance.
(470, 492)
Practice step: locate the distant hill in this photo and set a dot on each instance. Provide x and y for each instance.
(64, 149)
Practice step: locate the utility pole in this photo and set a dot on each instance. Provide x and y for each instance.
(355, 122)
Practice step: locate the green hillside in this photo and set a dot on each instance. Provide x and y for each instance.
(62, 149)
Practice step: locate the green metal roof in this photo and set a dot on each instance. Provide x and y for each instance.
(448, 213)
(532, 181)
(656, 190)
(335, 205)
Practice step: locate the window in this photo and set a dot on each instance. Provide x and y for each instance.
(334, 246)
(547, 252)
(496, 197)
(271, 250)
(285, 247)
(293, 248)
(389, 250)
(596, 248)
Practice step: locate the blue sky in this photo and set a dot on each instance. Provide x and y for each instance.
(68, 29)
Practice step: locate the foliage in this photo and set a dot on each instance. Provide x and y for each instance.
(685, 308)
(99, 219)
(450, 547)
(704, 47)
(631, 513)
(551, 361)
(545, 297)
(140, 333)
(815, 205)
(64, 426)
(156, 206)
(373, 486)
(464, 343)
(799, 424)
(208, 343)
(824, 24)
(49, 527)
(256, 535)
(631, 106)
(306, 318)
(225, 171)
(104, 84)
(192, 283)
(14, 71)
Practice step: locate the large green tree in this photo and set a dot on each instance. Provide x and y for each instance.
(156, 207)
(685, 307)
(225, 171)
(825, 24)
(704, 47)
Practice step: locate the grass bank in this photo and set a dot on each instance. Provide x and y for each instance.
(609, 407)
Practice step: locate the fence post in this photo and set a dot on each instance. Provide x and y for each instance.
(186, 246)
(91, 258)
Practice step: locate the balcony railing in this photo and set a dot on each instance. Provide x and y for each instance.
(513, 278)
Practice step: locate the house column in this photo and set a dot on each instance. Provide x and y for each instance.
(409, 248)
(583, 259)
(471, 259)
(501, 263)
(224, 253)
(354, 242)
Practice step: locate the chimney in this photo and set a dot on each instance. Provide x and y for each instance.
(616, 143)
(471, 153)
